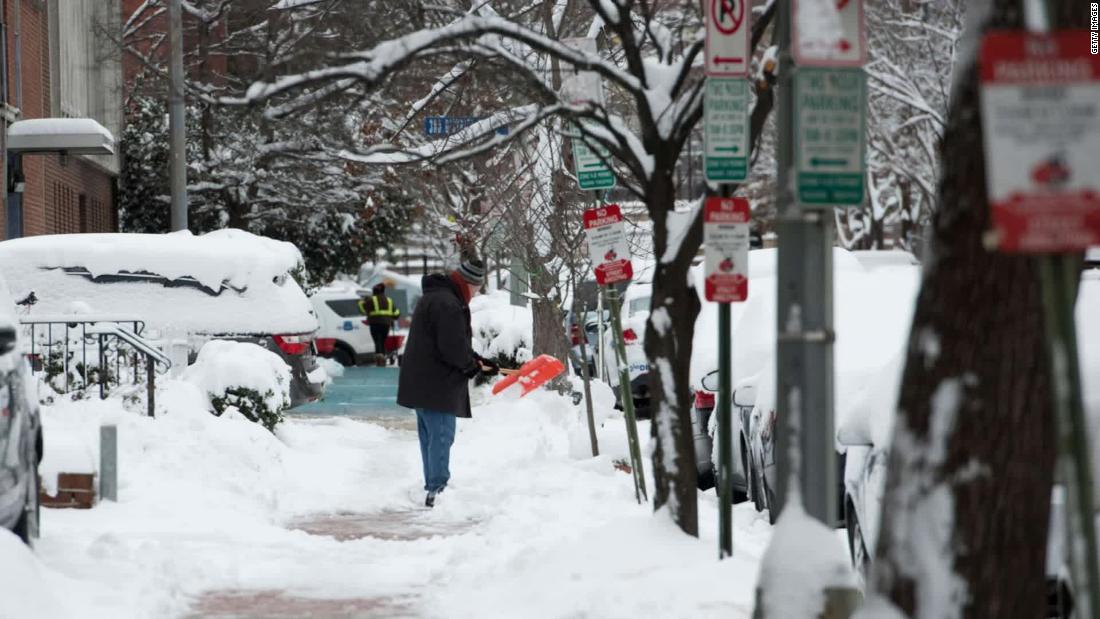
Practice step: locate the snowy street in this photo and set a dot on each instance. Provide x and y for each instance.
(326, 520)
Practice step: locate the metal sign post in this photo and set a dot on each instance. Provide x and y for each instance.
(726, 238)
(820, 123)
(626, 396)
(726, 160)
(610, 254)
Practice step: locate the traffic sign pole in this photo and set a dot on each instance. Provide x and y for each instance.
(804, 394)
(727, 59)
(626, 396)
(725, 436)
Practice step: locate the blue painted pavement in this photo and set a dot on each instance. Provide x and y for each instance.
(360, 392)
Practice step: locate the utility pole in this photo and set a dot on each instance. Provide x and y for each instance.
(804, 395)
(177, 117)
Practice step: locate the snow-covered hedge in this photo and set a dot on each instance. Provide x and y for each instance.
(502, 331)
(243, 378)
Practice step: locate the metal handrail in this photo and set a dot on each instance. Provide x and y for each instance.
(101, 327)
(138, 342)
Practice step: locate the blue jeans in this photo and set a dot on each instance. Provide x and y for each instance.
(437, 433)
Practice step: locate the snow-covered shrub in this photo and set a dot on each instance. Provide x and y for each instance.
(502, 332)
(243, 378)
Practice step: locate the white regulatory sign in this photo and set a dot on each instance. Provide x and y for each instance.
(727, 44)
(829, 36)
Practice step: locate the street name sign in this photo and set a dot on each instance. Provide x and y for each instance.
(607, 244)
(1041, 126)
(726, 240)
(830, 118)
(727, 44)
(450, 125)
(826, 37)
(726, 129)
(593, 173)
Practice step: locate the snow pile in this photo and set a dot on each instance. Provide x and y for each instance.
(227, 281)
(500, 328)
(332, 367)
(30, 589)
(805, 558)
(224, 364)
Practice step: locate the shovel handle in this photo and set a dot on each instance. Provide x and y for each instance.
(508, 372)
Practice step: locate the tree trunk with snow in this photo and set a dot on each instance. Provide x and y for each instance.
(668, 343)
(967, 503)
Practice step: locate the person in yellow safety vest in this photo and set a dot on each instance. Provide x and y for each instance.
(381, 314)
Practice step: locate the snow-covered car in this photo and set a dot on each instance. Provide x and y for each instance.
(874, 299)
(20, 431)
(634, 312)
(226, 284)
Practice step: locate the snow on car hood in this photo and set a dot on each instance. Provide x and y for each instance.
(227, 281)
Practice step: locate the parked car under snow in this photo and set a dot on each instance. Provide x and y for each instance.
(227, 284)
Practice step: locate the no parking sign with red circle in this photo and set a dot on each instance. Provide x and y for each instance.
(727, 44)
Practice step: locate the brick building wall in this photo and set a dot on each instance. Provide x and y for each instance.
(63, 193)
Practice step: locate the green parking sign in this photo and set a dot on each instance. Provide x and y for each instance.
(830, 120)
(593, 173)
(726, 129)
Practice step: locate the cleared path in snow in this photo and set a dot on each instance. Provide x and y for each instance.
(218, 518)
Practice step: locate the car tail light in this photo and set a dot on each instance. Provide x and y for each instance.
(575, 335)
(630, 336)
(704, 399)
(325, 345)
(292, 344)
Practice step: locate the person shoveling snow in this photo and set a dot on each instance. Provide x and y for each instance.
(439, 361)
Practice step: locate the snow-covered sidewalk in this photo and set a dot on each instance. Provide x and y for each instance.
(211, 511)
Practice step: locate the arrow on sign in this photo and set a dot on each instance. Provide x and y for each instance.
(732, 149)
(727, 60)
(817, 162)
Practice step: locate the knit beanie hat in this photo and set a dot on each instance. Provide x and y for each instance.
(472, 270)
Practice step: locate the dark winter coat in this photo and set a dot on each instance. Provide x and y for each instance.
(439, 359)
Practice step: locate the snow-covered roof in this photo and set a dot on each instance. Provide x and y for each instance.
(78, 136)
(228, 281)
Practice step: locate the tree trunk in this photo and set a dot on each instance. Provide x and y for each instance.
(965, 515)
(668, 342)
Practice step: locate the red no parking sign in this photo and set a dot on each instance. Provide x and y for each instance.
(726, 236)
(1041, 126)
(607, 244)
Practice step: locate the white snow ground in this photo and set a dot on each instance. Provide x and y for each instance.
(532, 526)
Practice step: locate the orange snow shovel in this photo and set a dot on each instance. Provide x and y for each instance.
(532, 375)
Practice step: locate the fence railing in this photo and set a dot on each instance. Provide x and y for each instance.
(104, 342)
